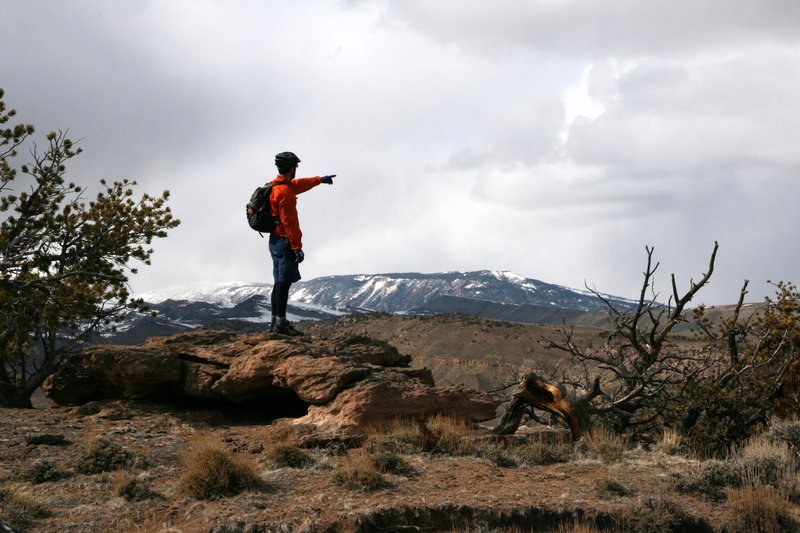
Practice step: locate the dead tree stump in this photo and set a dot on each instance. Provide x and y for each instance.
(553, 398)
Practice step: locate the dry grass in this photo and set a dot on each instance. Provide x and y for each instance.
(606, 446)
(758, 510)
(212, 470)
(671, 442)
(766, 462)
(133, 488)
(18, 510)
(289, 456)
(361, 474)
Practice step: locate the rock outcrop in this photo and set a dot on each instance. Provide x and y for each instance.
(345, 383)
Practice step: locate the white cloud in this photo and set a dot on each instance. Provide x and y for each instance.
(552, 138)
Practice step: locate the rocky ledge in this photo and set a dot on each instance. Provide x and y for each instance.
(346, 383)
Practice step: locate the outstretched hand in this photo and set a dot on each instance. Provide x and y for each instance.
(328, 179)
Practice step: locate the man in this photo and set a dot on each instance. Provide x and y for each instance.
(285, 242)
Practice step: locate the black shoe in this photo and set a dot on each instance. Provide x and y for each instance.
(284, 327)
(271, 327)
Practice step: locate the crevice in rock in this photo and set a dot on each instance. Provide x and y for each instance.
(195, 359)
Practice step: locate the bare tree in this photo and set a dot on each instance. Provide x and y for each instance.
(645, 372)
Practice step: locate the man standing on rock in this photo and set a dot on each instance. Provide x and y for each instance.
(285, 242)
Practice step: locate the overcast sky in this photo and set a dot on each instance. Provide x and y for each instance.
(552, 138)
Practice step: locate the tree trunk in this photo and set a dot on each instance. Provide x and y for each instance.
(553, 399)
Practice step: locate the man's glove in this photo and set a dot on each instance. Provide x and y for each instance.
(299, 256)
(328, 179)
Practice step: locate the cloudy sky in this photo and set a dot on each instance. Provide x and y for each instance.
(552, 138)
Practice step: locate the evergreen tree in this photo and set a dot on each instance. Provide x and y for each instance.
(64, 260)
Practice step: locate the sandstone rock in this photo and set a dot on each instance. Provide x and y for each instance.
(377, 402)
(112, 371)
(348, 382)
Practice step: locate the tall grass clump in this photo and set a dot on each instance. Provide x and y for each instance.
(212, 470)
(758, 510)
(671, 442)
(764, 462)
(361, 475)
(606, 445)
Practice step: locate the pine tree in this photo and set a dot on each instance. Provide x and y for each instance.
(64, 260)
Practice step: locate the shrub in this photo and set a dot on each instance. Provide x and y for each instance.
(391, 463)
(17, 510)
(656, 515)
(286, 455)
(758, 509)
(361, 475)
(99, 454)
(542, 453)
(607, 487)
(41, 471)
(493, 453)
(359, 479)
(401, 440)
(212, 470)
(786, 431)
(606, 446)
(710, 480)
(133, 489)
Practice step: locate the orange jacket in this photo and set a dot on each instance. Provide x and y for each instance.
(283, 202)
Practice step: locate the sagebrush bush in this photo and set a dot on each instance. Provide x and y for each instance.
(608, 487)
(287, 455)
(787, 431)
(495, 454)
(710, 480)
(132, 488)
(391, 463)
(18, 510)
(542, 453)
(656, 515)
(212, 470)
(41, 471)
(758, 510)
(100, 454)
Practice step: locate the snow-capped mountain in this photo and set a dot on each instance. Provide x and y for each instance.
(225, 294)
(402, 293)
(243, 306)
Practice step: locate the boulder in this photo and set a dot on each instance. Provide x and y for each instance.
(348, 382)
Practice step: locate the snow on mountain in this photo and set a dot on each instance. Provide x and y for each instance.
(405, 292)
(226, 294)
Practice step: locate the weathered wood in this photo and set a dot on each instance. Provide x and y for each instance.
(553, 398)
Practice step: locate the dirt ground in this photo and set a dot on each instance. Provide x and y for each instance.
(447, 493)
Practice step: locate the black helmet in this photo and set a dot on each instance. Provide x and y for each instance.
(286, 160)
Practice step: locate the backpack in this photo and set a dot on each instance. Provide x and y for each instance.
(259, 212)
